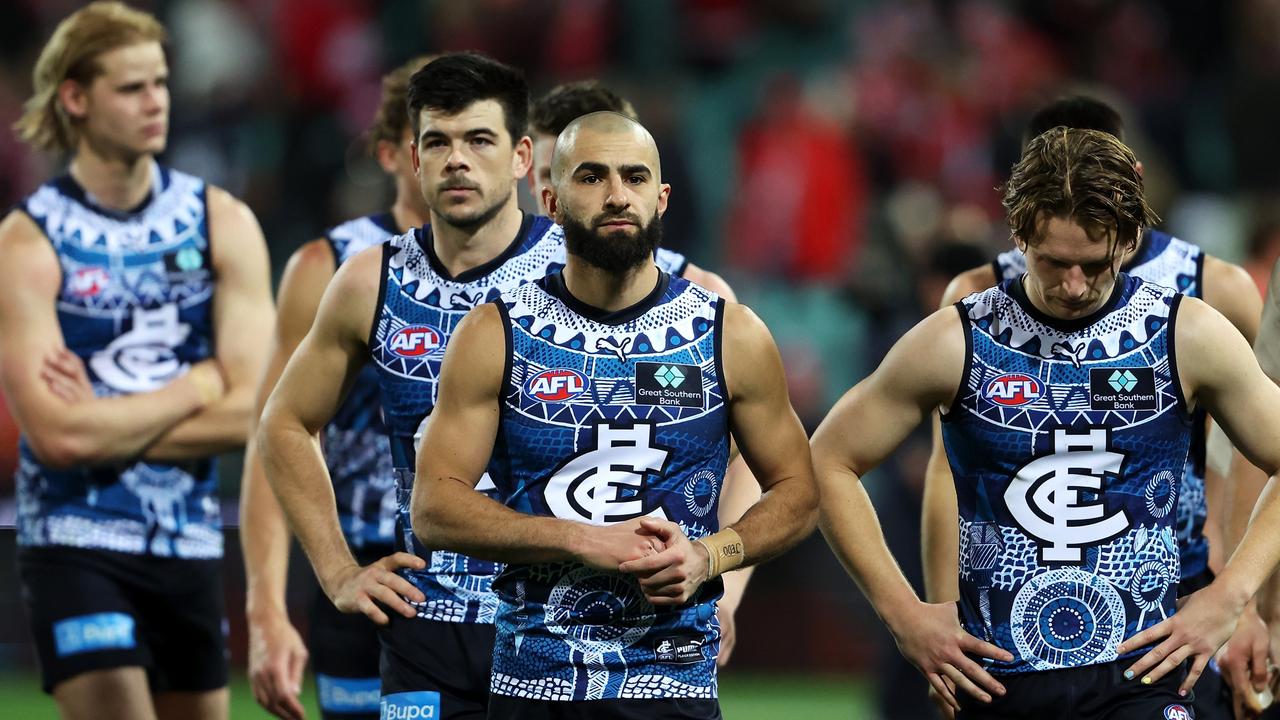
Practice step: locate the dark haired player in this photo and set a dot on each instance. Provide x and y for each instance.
(395, 307)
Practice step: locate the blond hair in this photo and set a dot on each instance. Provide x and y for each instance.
(72, 54)
(393, 116)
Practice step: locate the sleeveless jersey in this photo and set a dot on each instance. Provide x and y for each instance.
(421, 304)
(607, 417)
(1068, 442)
(1164, 260)
(356, 447)
(136, 307)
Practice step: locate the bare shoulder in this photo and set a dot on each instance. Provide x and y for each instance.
(476, 354)
(710, 281)
(1230, 290)
(225, 208)
(27, 253)
(969, 282)
(312, 258)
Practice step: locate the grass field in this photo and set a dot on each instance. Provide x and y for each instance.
(752, 697)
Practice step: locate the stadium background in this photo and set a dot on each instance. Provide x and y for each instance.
(835, 161)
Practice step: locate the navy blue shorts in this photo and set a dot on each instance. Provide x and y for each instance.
(99, 610)
(502, 707)
(1097, 692)
(345, 653)
(432, 664)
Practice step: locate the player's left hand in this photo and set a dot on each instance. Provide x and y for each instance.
(1243, 661)
(65, 375)
(1205, 622)
(672, 576)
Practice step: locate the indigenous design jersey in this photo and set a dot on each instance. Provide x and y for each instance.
(356, 447)
(1068, 441)
(608, 417)
(421, 305)
(136, 307)
(1164, 260)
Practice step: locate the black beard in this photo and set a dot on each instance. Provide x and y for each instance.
(615, 252)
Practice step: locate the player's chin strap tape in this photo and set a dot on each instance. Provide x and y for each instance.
(724, 551)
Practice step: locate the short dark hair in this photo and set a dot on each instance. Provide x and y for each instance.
(454, 81)
(391, 121)
(1085, 175)
(1075, 111)
(565, 103)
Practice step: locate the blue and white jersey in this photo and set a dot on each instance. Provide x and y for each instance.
(1068, 442)
(136, 306)
(356, 446)
(421, 305)
(607, 417)
(1164, 260)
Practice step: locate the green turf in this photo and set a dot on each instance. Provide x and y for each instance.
(749, 697)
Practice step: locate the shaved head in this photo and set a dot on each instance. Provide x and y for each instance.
(601, 125)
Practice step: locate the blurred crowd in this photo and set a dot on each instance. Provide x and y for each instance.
(835, 160)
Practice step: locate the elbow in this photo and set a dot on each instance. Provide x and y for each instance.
(63, 450)
(426, 523)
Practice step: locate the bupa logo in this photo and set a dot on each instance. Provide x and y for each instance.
(1058, 499)
(556, 385)
(88, 282)
(1177, 712)
(1013, 389)
(415, 341)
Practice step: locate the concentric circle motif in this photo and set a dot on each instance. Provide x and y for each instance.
(1065, 618)
(598, 613)
(1148, 585)
(700, 492)
(1161, 494)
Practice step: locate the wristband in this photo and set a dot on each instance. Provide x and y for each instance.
(724, 551)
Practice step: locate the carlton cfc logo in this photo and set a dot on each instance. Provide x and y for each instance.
(415, 341)
(1013, 389)
(556, 385)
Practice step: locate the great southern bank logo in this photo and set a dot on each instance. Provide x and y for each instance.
(556, 385)
(1058, 499)
(669, 376)
(1122, 381)
(415, 341)
(1013, 389)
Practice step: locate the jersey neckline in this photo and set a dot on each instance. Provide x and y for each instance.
(1014, 288)
(555, 286)
(68, 186)
(426, 241)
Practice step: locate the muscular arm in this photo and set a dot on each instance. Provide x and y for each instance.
(242, 318)
(92, 431)
(308, 393)
(264, 534)
(922, 372)
(770, 437)
(939, 529)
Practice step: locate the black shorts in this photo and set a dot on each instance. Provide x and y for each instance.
(427, 663)
(345, 653)
(1098, 692)
(503, 707)
(98, 610)
(1213, 696)
(1195, 583)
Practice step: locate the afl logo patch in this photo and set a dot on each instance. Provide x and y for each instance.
(1177, 712)
(415, 341)
(556, 385)
(88, 282)
(1013, 389)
